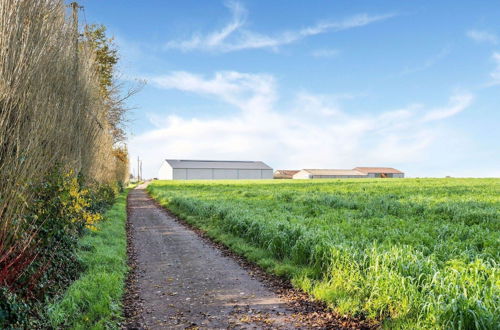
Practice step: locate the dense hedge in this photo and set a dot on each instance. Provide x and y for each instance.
(55, 108)
(62, 211)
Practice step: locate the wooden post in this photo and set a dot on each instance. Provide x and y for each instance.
(138, 170)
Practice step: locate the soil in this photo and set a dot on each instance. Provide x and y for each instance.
(180, 279)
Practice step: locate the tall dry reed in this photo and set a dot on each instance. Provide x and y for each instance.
(51, 113)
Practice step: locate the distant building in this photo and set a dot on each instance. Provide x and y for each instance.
(358, 172)
(284, 174)
(381, 172)
(328, 174)
(180, 169)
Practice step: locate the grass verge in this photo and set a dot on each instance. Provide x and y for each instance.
(95, 298)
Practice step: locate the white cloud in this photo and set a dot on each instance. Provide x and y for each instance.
(217, 37)
(458, 103)
(250, 92)
(239, 13)
(234, 36)
(314, 105)
(314, 131)
(482, 36)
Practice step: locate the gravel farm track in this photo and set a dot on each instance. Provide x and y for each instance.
(182, 280)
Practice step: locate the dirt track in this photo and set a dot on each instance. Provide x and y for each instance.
(181, 281)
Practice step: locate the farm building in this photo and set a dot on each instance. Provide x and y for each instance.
(284, 174)
(358, 172)
(328, 174)
(179, 169)
(381, 172)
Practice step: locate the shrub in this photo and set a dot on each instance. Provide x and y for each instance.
(102, 196)
(60, 213)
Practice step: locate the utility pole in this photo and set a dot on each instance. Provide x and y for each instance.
(138, 169)
(141, 171)
(74, 9)
(74, 6)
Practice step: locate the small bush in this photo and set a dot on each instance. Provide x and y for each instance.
(102, 196)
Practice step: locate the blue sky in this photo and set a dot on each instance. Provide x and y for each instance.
(313, 84)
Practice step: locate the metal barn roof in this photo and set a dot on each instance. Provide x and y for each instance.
(222, 164)
(378, 170)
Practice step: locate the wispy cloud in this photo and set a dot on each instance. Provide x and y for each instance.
(313, 130)
(216, 38)
(457, 103)
(430, 62)
(495, 74)
(325, 53)
(233, 36)
(492, 39)
(482, 36)
(249, 92)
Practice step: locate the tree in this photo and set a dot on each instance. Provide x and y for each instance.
(106, 55)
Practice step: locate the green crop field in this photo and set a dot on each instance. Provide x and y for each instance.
(410, 253)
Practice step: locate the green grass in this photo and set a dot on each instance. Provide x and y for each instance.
(94, 301)
(412, 253)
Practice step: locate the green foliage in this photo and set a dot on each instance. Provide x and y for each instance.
(14, 312)
(60, 213)
(106, 58)
(106, 55)
(103, 196)
(413, 253)
(95, 298)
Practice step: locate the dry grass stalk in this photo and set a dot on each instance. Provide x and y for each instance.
(51, 112)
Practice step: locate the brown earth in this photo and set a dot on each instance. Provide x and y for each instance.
(180, 280)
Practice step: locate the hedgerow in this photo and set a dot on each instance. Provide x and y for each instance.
(60, 213)
(62, 151)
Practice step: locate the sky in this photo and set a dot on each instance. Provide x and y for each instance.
(413, 85)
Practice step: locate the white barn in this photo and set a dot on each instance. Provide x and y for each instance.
(180, 169)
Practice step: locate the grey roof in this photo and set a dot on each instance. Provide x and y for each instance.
(225, 164)
(378, 170)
